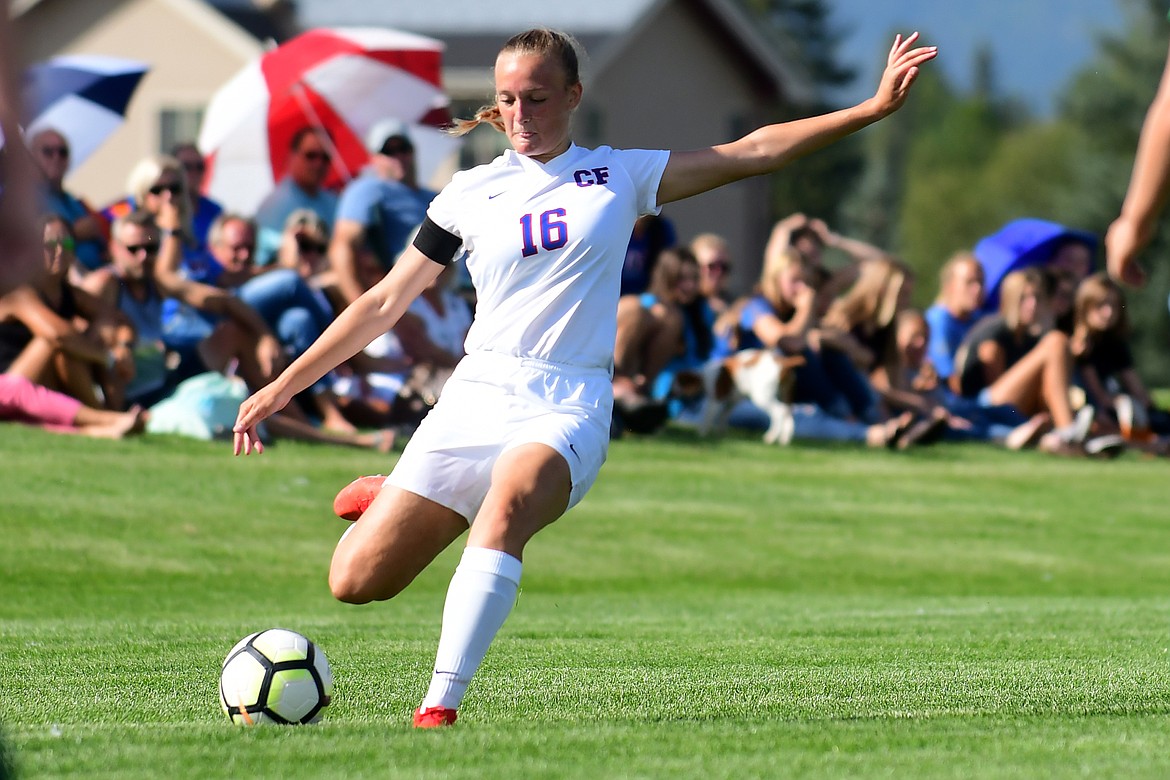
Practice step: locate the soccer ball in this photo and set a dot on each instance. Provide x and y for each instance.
(274, 676)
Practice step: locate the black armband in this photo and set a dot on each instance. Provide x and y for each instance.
(437, 244)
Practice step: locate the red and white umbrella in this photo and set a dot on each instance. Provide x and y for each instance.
(344, 80)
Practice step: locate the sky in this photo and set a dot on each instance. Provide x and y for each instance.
(1038, 45)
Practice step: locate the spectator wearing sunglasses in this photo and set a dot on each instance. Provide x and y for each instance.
(378, 211)
(139, 280)
(52, 334)
(714, 258)
(303, 187)
(154, 181)
(304, 247)
(50, 150)
(204, 210)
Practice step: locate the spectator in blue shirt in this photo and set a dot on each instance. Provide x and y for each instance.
(303, 187)
(51, 151)
(204, 210)
(955, 312)
(379, 210)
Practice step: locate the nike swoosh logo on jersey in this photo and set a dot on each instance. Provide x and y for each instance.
(498, 194)
(574, 449)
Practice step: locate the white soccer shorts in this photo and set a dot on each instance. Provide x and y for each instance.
(493, 403)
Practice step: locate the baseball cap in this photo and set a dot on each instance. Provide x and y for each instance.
(382, 131)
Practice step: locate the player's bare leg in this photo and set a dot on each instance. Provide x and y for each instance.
(393, 541)
(530, 490)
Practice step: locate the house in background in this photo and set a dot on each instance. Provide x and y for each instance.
(192, 48)
(674, 74)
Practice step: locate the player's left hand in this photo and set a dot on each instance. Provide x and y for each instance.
(902, 68)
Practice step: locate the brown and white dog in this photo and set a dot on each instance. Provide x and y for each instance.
(764, 377)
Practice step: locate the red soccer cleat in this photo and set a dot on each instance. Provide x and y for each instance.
(433, 717)
(353, 499)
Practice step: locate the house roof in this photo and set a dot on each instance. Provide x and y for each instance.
(475, 16)
(206, 15)
(263, 19)
(474, 29)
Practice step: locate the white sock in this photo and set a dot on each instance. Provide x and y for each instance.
(482, 592)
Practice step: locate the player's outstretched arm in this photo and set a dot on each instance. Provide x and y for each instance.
(371, 315)
(1149, 186)
(771, 147)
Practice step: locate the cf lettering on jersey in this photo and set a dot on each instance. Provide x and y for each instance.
(590, 176)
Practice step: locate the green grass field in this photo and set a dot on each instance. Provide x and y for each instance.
(712, 610)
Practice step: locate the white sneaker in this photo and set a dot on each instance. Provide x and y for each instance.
(1083, 422)
(1108, 446)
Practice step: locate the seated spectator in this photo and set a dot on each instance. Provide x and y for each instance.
(651, 235)
(52, 334)
(130, 284)
(859, 327)
(956, 310)
(304, 247)
(288, 306)
(22, 401)
(50, 149)
(156, 181)
(781, 316)
(400, 375)
(909, 382)
(659, 333)
(378, 211)
(860, 322)
(240, 339)
(1013, 359)
(714, 257)
(1105, 366)
(204, 210)
(302, 187)
(810, 237)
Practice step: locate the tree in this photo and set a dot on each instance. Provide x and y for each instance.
(816, 184)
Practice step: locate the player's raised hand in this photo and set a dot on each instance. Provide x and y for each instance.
(253, 411)
(902, 67)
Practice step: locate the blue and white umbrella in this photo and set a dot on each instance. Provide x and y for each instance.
(83, 96)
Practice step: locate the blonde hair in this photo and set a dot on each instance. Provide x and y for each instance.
(668, 269)
(776, 263)
(540, 41)
(947, 272)
(873, 298)
(1092, 292)
(708, 241)
(1011, 293)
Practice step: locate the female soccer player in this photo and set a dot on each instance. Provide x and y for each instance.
(522, 427)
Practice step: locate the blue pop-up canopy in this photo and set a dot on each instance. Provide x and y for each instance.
(1019, 244)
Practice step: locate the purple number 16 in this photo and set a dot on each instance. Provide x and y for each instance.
(554, 233)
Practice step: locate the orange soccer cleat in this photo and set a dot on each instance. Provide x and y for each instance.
(433, 717)
(353, 499)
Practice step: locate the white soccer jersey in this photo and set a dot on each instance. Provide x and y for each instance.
(546, 243)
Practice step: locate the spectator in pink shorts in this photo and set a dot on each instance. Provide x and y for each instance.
(25, 402)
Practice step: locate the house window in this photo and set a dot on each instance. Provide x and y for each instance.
(178, 125)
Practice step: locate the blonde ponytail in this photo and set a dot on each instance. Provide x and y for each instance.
(487, 115)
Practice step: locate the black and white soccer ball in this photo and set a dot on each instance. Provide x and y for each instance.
(275, 676)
